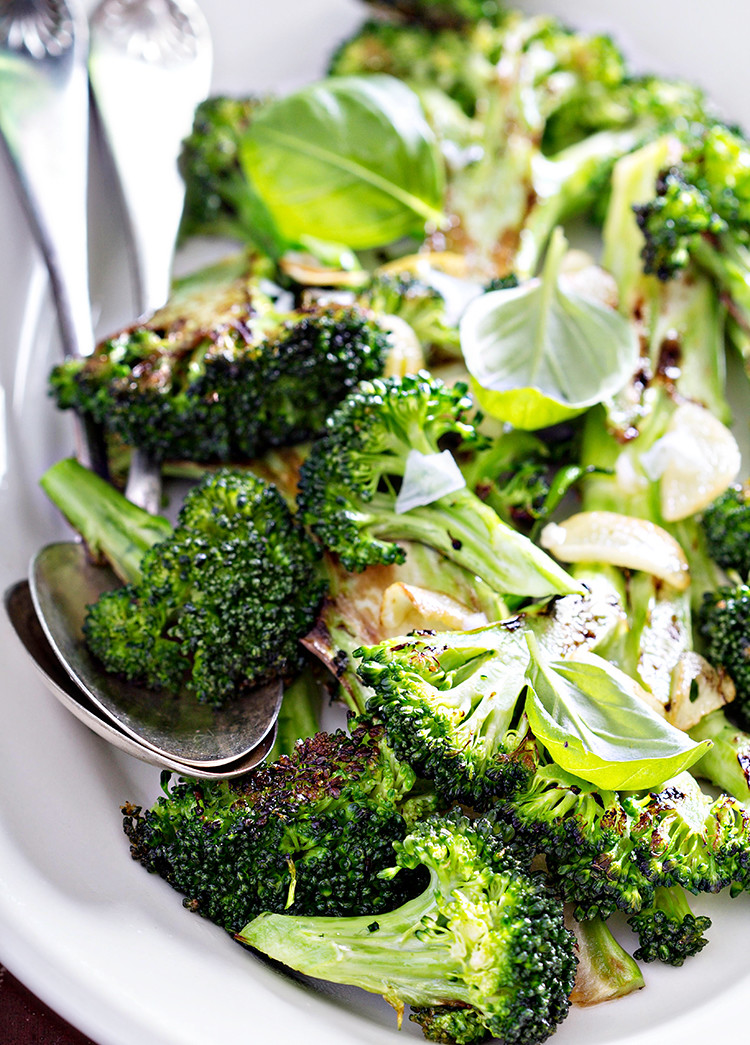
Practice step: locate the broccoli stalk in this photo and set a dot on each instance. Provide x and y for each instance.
(349, 483)
(605, 969)
(481, 952)
(727, 762)
(217, 603)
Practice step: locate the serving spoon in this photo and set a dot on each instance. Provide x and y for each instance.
(62, 579)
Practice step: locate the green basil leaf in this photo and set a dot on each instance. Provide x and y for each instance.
(538, 355)
(350, 160)
(593, 724)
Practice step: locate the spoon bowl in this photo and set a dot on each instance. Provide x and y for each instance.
(63, 582)
(19, 607)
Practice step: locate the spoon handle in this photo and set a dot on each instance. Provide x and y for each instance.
(44, 120)
(150, 65)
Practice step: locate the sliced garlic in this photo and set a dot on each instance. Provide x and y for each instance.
(407, 607)
(696, 459)
(405, 355)
(714, 690)
(309, 271)
(619, 540)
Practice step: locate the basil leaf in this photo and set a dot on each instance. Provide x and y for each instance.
(538, 355)
(350, 160)
(593, 724)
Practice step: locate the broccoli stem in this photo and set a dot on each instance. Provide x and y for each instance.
(464, 529)
(111, 526)
(605, 969)
(371, 953)
(726, 764)
(566, 185)
(299, 716)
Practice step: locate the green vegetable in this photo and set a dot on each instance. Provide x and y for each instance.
(349, 160)
(539, 355)
(482, 951)
(593, 725)
(215, 604)
(308, 834)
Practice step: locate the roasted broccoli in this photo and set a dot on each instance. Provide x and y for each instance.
(451, 701)
(307, 834)
(608, 851)
(214, 605)
(724, 623)
(220, 373)
(219, 199)
(481, 952)
(699, 218)
(668, 930)
(457, 64)
(375, 440)
(726, 524)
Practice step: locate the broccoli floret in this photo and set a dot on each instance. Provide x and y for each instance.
(607, 851)
(419, 304)
(451, 702)
(726, 524)
(456, 64)
(217, 605)
(668, 931)
(679, 213)
(700, 217)
(307, 834)
(481, 952)
(454, 14)
(724, 623)
(350, 482)
(219, 374)
(219, 199)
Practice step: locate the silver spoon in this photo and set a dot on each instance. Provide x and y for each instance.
(197, 743)
(44, 125)
(149, 66)
(22, 615)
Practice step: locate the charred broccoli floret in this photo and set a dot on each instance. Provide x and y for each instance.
(726, 524)
(481, 952)
(378, 437)
(451, 701)
(608, 851)
(214, 605)
(308, 834)
(220, 373)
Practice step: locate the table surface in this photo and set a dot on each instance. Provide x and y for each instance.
(24, 1020)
